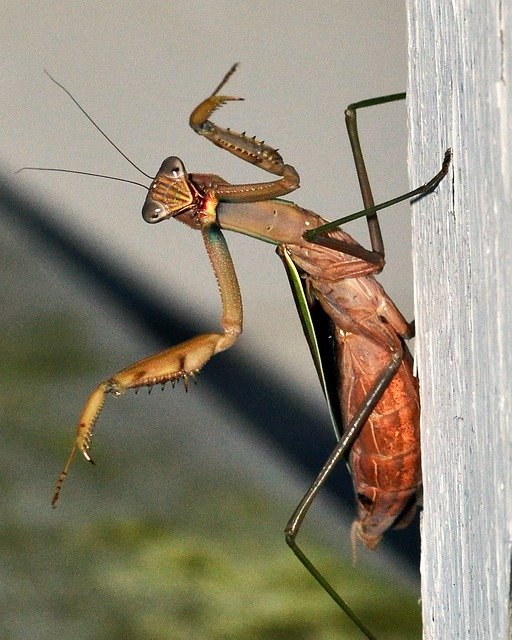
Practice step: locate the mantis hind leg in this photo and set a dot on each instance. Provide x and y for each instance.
(350, 434)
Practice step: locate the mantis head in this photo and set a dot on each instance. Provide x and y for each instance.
(170, 192)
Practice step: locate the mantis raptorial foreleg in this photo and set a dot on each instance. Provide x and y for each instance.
(170, 185)
(181, 362)
(249, 149)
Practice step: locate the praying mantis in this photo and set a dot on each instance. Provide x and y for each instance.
(373, 399)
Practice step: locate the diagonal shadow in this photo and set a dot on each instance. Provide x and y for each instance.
(278, 413)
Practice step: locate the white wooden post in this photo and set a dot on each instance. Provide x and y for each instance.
(460, 96)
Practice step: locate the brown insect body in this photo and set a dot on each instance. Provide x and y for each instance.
(368, 329)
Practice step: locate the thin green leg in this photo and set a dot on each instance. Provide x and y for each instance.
(350, 434)
(426, 188)
(370, 209)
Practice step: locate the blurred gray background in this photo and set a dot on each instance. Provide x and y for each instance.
(139, 72)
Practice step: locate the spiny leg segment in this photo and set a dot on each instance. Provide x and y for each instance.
(180, 362)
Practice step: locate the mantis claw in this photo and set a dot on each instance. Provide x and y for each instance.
(88, 457)
(202, 112)
(199, 117)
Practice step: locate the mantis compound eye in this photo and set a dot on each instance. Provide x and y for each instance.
(173, 168)
(153, 211)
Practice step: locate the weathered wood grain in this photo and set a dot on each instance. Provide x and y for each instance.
(460, 97)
